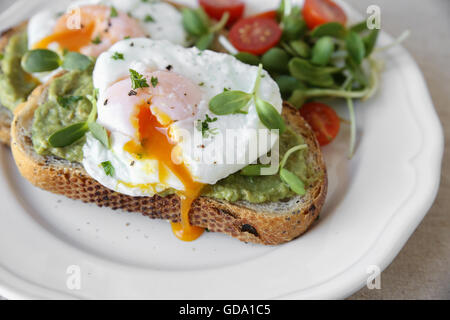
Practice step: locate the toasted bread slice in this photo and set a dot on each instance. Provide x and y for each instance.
(268, 223)
(6, 115)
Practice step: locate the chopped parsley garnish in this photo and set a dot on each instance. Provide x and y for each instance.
(203, 126)
(118, 56)
(66, 102)
(138, 80)
(97, 40)
(154, 81)
(114, 12)
(149, 18)
(127, 37)
(201, 84)
(108, 167)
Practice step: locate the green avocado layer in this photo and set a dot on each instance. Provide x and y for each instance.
(15, 83)
(51, 116)
(261, 189)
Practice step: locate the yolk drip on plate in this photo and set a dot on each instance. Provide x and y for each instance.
(91, 30)
(155, 144)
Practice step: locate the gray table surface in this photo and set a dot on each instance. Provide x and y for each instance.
(421, 270)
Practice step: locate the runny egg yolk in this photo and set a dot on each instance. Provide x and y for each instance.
(155, 144)
(91, 29)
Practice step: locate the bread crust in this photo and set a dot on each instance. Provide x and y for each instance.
(259, 223)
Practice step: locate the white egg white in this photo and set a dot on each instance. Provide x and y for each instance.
(166, 22)
(212, 72)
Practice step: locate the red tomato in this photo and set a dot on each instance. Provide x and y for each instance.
(255, 35)
(323, 120)
(317, 12)
(268, 14)
(216, 8)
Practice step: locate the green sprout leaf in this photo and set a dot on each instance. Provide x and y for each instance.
(229, 102)
(100, 133)
(355, 47)
(76, 61)
(269, 116)
(248, 58)
(253, 170)
(68, 135)
(322, 51)
(276, 60)
(40, 60)
(195, 21)
(292, 181)
(331, 29)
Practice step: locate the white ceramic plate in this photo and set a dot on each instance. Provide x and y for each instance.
(375, 202)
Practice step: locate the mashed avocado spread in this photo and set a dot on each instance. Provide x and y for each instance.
(15, 83)
(50, 117)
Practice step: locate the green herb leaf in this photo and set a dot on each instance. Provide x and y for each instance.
(100, 133)
(108, 168)
(359, 27)
(298, 98)
(138, 80)
(195, 21)
(300, 48)
(317, 76)
(76, 61)
(253, 170)
(118, 56)
(149, 18)
(332, 29)
(205, 41)
(292, 181)
(370, 41)
(203, 126)
(287, 85)
(229, 102)
(154, 81)
(114, 12)
(248, 58)
(355, 47)
(269, 116)
(97, 40)
(68, 135)
(67, 101)
(40, 60)
(322, 51)
(294, 26)
(276, 60)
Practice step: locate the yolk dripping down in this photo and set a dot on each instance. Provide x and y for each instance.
(155, 144)
(93, 32)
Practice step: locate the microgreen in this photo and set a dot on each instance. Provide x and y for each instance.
(97, 40)
(154, 81)
(149, 18)
(198, 25)
(108, 168)
(137, 80)
(43, 60)
(114, 12)
(203, 126)
(118, 56)
(233, 101)
(72, 133)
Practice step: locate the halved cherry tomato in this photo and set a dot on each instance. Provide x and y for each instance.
(323, 120)
(272, 14)
(216, 8)
(255, 35)
(317, 12)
